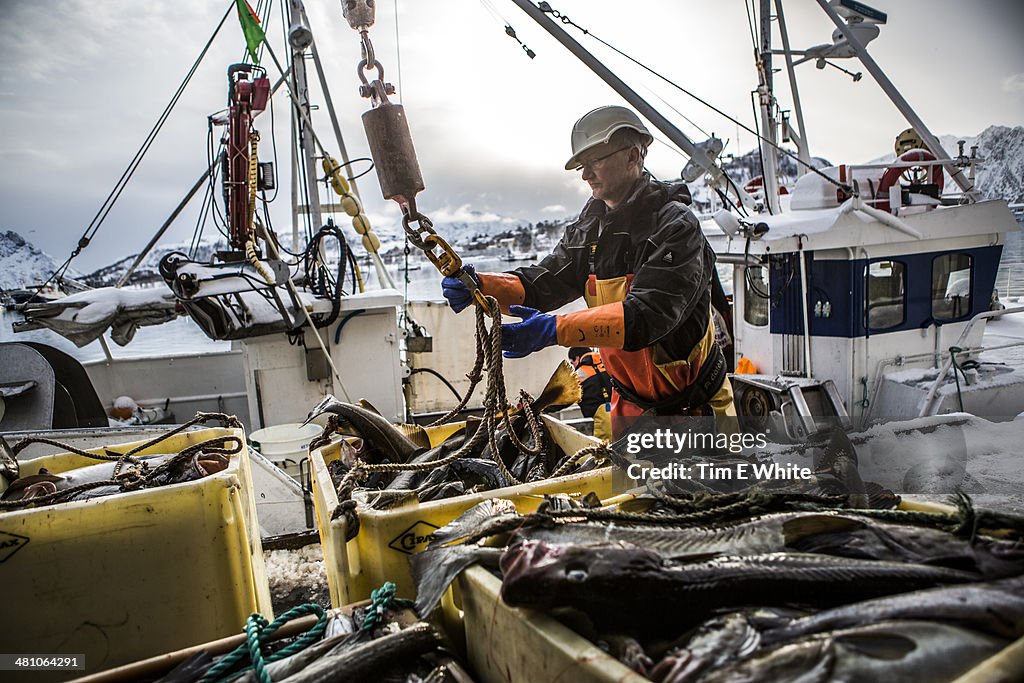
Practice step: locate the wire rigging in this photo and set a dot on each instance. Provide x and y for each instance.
(707, 104)
(129, 172)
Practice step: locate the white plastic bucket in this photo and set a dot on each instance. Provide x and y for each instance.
(285, 445)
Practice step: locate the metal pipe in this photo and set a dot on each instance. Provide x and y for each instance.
(929, 400)
(803, 306)
(934, 146)
(766, 100)
(305, 133)
(190, 399)
(857, 204)
(803, 150)
(330, 110)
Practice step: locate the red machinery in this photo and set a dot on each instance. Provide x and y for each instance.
(248, 94)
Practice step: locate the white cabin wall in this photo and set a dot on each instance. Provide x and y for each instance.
(366, 356)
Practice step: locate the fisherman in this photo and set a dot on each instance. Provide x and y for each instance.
(638, 257)
(596, 402)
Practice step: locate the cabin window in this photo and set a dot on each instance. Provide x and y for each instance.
(887, 300)
(951, 286)
(755, 295)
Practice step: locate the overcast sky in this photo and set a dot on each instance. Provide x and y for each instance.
(83, 81)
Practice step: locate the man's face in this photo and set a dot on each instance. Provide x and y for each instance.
(610, 170)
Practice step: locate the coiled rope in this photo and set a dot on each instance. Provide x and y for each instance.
(258, 632)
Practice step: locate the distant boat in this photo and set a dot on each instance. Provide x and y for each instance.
(17, 297)
(512, 255)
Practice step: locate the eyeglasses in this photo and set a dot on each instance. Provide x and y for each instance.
(599, 161)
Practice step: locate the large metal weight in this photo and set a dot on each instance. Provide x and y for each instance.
(394, 156)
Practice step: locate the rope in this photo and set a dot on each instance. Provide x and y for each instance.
(381, 600)
(257, 634)
(488, 342)
(139, 474)
(601, 450)
(957, 371)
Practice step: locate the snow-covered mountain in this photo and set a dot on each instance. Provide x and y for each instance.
(22, 264)
(1001, 174)
(148, 270)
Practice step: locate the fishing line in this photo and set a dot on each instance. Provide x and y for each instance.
(398, 52)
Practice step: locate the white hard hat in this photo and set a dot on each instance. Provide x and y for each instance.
(597, 127)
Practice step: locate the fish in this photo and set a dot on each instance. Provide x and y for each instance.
(836, 533)
(892, 651)
(329, 646)
(45, 482)
(394, 443)
(627, 650)
(486, 472)
(434, 570)
(448, 489)
(562, 389)
(477, 469)
(993, 607)
(593, 578)
(470, 521)
(716, 642)
(368, 661)
(870, 539)
(410, 479)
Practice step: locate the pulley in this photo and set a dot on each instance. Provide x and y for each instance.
(358, 13)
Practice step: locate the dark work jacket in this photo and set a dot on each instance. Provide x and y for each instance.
(652, 235)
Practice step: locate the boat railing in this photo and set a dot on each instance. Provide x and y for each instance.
(860, 171)
(930, 401)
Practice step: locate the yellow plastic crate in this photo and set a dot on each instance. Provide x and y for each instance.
(128, 576)
(514, 645)
(387, 538)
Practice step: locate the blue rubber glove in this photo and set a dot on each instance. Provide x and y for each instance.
(456, 292)
(537, 331)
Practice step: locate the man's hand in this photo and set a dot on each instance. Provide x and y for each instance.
(536, 331)
(456, 292)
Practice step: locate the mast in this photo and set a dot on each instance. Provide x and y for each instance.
(766, 100)
(305, 133)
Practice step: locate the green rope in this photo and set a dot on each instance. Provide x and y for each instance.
(257, 633)
(953, 350)
(381, 599)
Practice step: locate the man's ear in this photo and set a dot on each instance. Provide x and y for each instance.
(634, 157)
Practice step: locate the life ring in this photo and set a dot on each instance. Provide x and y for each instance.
(893, 174)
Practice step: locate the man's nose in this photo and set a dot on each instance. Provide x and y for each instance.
(588, 172)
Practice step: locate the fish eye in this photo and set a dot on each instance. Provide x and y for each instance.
(576, 572)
